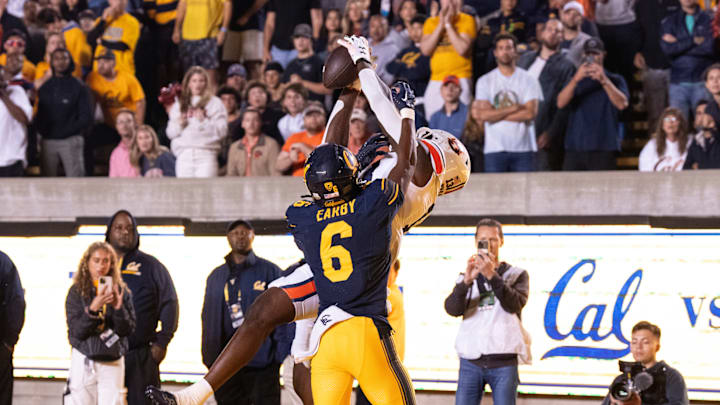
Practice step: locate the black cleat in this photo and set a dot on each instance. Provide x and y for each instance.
(160, 397)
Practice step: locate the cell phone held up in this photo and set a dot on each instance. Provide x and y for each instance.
(104, 285)
(482, 246)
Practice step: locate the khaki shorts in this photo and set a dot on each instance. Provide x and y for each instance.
(243, 46)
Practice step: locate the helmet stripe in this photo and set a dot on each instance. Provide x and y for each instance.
(435, 156)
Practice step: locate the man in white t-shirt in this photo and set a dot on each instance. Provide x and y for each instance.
(15, 114)
(509, 99)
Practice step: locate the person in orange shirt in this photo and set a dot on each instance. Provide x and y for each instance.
(14, 44)
(299, 146)
(117, 31)
(115, 90)
(42, 71)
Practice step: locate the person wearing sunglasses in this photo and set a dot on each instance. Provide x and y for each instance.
(14, 43)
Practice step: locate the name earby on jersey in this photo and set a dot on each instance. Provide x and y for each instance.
(338, 211)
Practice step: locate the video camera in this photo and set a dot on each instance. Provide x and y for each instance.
(634, 379)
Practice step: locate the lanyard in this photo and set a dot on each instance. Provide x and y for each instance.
(227, 292)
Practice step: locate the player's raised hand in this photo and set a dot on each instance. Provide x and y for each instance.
(358, 48)
(403, 95)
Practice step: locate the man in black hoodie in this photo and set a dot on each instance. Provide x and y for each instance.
(12, 318)
(63, 116)
(154, 299)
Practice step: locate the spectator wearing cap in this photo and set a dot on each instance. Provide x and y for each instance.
(74, 39)
(572, 16)
(272, 78)
(383, 47)
(257, 96)
(117, 31)
(200, 28)
(410, 64)
(86, 19)
(281, 20)
(552, 70)
(509, 99)
(306, 68)
(120, 165)
(298, 146)
(294, 98)
(620, 34)
(651, 59)
(197, 126)
(255, 153)
(358, 131)
(115, 89)
(230, 291)
(447, 41)
(14, 44)
(15, 115)
(236, 77)
(687, 40)
(63, 116)
(451, 117)
(593, 95)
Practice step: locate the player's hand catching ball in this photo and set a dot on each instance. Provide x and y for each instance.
(358, 48)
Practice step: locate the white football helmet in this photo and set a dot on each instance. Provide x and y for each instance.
(448, 156)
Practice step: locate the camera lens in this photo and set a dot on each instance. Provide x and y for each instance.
(620, 391)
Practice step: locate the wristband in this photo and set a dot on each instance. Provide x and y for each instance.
(408, 113)
(223, 29)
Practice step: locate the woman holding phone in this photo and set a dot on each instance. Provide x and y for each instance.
(100, 317)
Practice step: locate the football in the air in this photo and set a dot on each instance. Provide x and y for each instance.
(339, 70)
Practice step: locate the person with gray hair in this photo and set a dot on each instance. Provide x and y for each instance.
(490, 296)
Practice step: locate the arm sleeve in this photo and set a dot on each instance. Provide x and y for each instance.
(647, 158)
(512, 297)
(456, 302)
(173, 127)
(81, 324)
(675, 389)
(482, 92)
(14, 301)
(96, 32)
(674, 49)
(168, 304)
(83, 118)
(378, 96)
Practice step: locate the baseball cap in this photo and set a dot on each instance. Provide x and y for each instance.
(314, 106)
(106, 54)
(302, 30)
(593, 45)
(236, 69)
(451, 79)
(574, 5)
(274, 66)
(234, 224)
(14, 33)
(86, 14)
(358, 114)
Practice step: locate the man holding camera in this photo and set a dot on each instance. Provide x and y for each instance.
(491, 341)
(662, 384)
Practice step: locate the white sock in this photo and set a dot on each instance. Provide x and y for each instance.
(195, 394)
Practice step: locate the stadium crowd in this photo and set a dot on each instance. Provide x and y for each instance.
(153, 88)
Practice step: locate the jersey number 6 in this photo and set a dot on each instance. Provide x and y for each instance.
(328, 252)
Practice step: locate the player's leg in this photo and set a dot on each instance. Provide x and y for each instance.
(301, 383)
(339, 351)
(382, 376)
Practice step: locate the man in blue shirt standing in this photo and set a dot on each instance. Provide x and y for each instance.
(594, 98)
(231, 289)
(452, 116)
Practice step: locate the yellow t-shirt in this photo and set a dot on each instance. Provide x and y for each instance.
(121, 33)
(202, 19)
(445, 60)
(78, 47)
(28, 69)
(43, 67)
(113, 95)
(162, 11)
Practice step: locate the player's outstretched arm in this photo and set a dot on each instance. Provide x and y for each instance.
(338, 126)
(404, 169)
(270, 310)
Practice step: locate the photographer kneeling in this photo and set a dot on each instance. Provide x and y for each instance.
(648, 381)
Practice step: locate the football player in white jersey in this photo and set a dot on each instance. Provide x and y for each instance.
(442, 166)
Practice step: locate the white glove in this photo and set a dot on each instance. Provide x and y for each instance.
(358, 48)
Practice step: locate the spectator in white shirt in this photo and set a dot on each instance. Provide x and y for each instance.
(15, 114)
(668, 148)
(293, 101)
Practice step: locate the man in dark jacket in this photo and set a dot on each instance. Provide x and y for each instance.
(154, 299)
(12, 318)
(410, 64)
(686, 38)
(230, 291)
(63, 116)
(553, 70)
(704, 152)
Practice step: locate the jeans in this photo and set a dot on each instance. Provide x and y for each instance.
(685, 96)
(472, 379)
(501, 162)
(282, 56)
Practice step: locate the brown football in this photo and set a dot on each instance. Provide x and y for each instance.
(339, 70)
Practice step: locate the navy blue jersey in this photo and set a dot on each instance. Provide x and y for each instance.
(348, 247)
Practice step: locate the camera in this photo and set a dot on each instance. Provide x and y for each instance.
(483, 246)
(634, 379)
(588, 59)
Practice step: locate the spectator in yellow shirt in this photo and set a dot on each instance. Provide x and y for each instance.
(43, 72)
(14, 44)
(115, 90)
(447, 40)
(117, 31)
(74, 40)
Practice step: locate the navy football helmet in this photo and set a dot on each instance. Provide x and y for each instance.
(331, 174)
